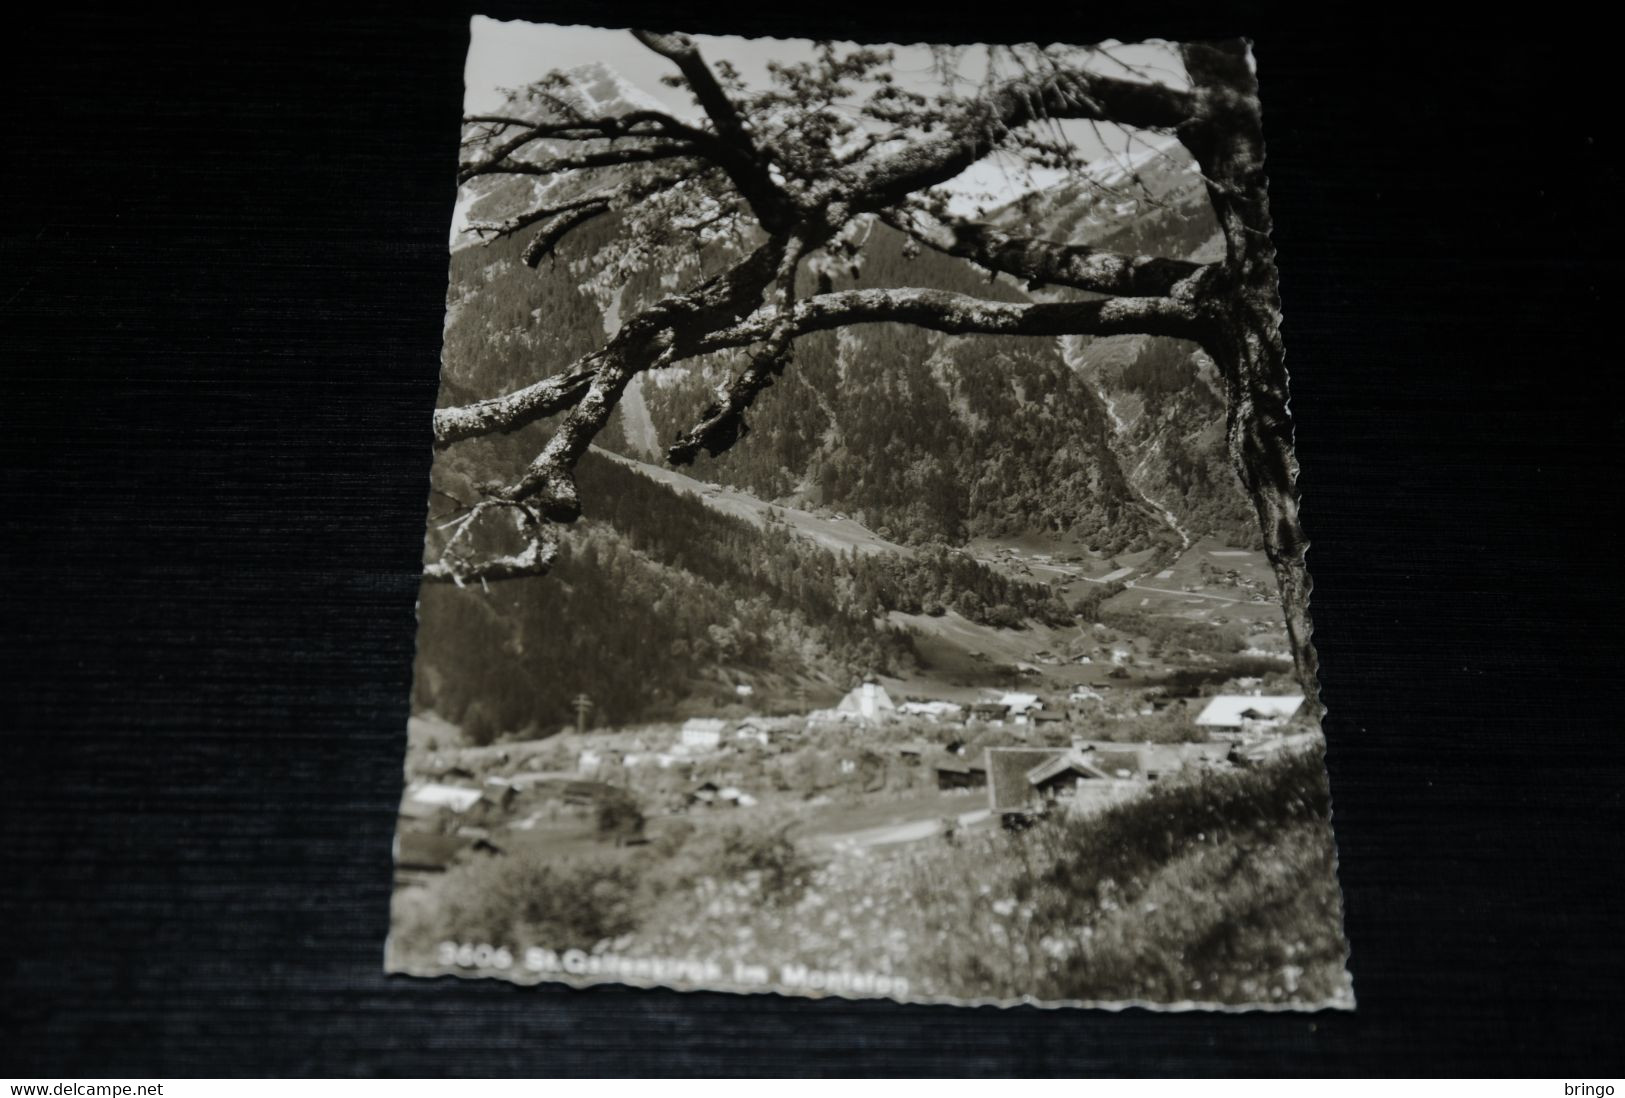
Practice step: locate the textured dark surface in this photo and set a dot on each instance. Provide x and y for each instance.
(220, 311)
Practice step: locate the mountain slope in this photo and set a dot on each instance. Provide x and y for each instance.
(1165, 398)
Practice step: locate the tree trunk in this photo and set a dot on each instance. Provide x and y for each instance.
(1244, 326)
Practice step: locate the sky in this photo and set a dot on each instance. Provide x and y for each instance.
(512, 54)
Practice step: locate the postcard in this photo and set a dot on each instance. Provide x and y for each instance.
(863, 554)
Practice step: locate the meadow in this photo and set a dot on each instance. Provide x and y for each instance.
(1218, 889)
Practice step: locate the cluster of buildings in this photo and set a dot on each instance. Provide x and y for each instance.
(441, 818)
(871, 703)
(1025, 780)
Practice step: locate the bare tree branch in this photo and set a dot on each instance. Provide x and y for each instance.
(514, 410)
(1042, 262)
(532, 217)
(455, 565)
(542, 245)
(607, 158)
(611, 128)
(958, 314)
(962, 314)
(738, 155)
(723, 423)
(1061, 94)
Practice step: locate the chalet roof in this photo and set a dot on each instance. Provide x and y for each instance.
(1230, 710)
(1021, 702)
(1007, 787)
(1075, 761)
(961, 766)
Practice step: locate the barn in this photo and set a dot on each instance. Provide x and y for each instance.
(960, 774)
(1057, 779)
(1008, 790)
(703, 733)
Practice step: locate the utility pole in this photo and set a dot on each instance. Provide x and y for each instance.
(583, 706)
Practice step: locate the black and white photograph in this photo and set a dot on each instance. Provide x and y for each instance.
(863, 554)
(721, 542)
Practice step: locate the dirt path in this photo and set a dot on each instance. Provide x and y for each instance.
(907, 832)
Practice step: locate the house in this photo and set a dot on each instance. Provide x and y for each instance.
(1028, 781)
(1057, 778)
(435, 795)
(990, 711)
(1083, 693)
(1021, 704)
(1048, 716)
(751, 731)
(867, 703)
(912, 751)
(420, 855)
(703, 733)
(580, 793)
(932, 711)
(961, 774)
(1009, 793)
(1237, 714)
(705, 793)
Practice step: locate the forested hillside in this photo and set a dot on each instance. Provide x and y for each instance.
(659, 605)
(920, 436)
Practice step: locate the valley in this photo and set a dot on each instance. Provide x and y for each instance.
(1225, 589)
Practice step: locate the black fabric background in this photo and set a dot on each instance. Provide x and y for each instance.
(220, 312)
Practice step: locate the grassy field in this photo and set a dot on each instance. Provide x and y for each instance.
(1218, 891)
(829, 531)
